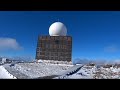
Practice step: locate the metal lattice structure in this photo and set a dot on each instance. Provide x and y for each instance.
(54, 48)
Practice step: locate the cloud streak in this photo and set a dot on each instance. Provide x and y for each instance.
(9, 44)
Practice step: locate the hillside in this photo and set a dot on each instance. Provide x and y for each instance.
(55, 70)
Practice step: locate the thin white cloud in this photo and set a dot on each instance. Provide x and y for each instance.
(9, 44)
(111, 48)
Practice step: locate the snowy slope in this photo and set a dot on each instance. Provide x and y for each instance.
(92, 72)
(83, 73)
(69, 72)
(4, 74)
(59, 71)
(34, 70)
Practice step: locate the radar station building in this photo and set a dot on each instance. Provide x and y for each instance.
(56, 46)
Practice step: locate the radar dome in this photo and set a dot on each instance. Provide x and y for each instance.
(57, 29)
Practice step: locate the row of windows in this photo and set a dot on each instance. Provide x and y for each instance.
(56, 46)
(55, 37)
(54, 58)
(46, 54)
(54, 50)
(52, 46)
(51, 53)
(54, 42)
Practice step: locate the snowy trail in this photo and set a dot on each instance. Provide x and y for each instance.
(70, 71)
(73, 70)
(4, 74)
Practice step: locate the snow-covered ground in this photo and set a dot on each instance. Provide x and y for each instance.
(4, 74)
(35, 70)
(92, 72)
(59, 71)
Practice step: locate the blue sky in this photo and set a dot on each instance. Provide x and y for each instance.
(96, 34)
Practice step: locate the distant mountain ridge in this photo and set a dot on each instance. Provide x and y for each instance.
(99, 61)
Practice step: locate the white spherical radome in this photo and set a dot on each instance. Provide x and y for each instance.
(57, 29)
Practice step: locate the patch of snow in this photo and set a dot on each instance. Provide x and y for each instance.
(63, 71)
(4, 74)
(34, 70)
